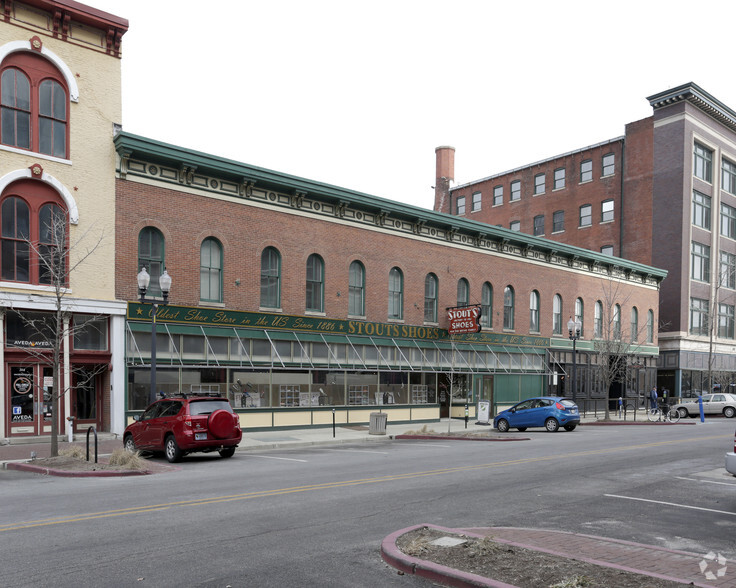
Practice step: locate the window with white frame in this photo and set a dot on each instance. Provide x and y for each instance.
(728, 221)
(701, 210)
(515, 225)
(703, 162)
(598, 320)
(726, 321)
(579, 315)
(727, 270)
(607, 249)
(460, 205)
(728, 176)
(395, 294)
(616, 322)
(356, 289)
(700, 262)
(508, 308)
(539, 225)
(463, 292)
(698, 316)
(634, 324)
(430, 298)
(486, 305)
(650, 326)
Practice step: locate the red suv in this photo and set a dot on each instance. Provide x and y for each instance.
(184, 424)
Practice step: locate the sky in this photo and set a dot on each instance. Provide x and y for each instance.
(359, 94)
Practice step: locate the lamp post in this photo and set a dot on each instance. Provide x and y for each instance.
(164, 282)
(573, 327)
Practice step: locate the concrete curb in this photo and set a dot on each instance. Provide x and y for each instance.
(27, 467)
(460, 438)
(392, 555)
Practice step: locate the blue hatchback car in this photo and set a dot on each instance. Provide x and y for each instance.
(550, 412)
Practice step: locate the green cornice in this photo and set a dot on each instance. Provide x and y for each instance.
(132, 146)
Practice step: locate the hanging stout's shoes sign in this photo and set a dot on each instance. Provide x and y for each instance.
(464, 319)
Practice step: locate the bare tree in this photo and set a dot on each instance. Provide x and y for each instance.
(614, 342)
(58, 259)
(715, 320)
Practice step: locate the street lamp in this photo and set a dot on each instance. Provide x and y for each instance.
(164, 282)
(573, 327)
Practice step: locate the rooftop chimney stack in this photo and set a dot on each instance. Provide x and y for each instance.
(445, 174)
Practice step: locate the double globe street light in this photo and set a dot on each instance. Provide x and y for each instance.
(164, 282)
(574, 327)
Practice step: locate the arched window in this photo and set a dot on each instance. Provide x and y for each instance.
(430, 299)
(270, 278)
(579, 314)
(634, 324)
(650, 326)
(557, 315)
(151, 256)
(356, 289)
(463, 292)
(486, 305)
(598, 320)
(616, 322)
(508, 308)
(35, 105)
(315, 283)
(534, 311)
(210, 270)
(395, 294)
(34, 234)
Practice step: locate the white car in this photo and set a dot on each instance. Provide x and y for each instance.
(731, 459)
(718, 403)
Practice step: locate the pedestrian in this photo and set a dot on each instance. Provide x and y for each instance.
(653, 398)
(620, 406)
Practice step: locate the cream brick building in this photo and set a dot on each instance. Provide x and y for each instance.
(61, 100)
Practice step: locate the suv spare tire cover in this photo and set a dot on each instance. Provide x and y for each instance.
(221, 424)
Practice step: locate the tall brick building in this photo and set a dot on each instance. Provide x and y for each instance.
(663, 194)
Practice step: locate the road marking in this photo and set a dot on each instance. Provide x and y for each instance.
(428, 443)
(342, 484)
(274, 457)
(674, 504)
(705, 481)
(358, 451)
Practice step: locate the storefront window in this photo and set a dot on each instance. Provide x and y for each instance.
(90, 332)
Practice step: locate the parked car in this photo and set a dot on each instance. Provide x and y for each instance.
(731, 459)
(185, 424)
(724, 404)
(550, 412)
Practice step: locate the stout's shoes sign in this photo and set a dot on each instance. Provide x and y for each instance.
(465, 319)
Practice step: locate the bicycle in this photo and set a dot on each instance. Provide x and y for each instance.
(665, 413)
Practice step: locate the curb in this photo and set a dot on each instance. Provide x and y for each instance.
(34, 469)
(392, 555)
(460, 438)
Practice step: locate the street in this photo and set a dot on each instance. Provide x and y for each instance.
(317, 515)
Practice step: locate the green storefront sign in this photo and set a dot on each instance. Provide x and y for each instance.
(212, 317)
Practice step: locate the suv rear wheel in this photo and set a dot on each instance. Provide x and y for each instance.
(173, 453)
(227, 452)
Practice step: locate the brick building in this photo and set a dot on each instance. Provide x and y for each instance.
(663, 194)
(60, 82)
(298, 298)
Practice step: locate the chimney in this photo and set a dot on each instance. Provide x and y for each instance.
(445, 174)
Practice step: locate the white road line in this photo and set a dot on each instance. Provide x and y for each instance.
(272, 457)
(430, 444)
(358, 451)
(705, 481)
(733, 514)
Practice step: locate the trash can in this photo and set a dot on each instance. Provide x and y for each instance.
(378, 423)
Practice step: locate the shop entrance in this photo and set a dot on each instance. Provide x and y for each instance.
(85, 407)
(31, 389)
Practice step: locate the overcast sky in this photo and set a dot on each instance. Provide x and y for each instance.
(359, 94)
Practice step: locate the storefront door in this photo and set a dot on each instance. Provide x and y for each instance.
(85, 407)
(31, 388)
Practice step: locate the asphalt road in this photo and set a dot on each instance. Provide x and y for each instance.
(316, 516)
